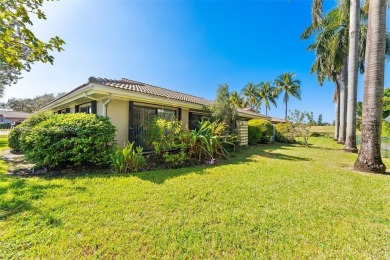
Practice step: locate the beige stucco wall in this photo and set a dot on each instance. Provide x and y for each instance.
(185, 117)
(118, 112)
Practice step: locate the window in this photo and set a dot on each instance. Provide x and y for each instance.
(86, 108)
(167, 114)
(195, 120)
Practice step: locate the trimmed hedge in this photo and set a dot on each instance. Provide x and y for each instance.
(67, 140)
(19, 132)
(259, 131)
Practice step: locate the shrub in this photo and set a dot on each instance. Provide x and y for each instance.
(69, 140)
(316, 134)
(385, 128)
(19, 133)
(259, 131)
(13, 138)
(162, 135)
(284, 133)
(5, 125)
(206, 142)
(128, 159)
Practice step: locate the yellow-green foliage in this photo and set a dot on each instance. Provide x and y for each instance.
(385, 128)
(128, 159)
(259, 131)
(284, 133)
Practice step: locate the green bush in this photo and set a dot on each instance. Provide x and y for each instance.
(259, 131)
(128, 159)
(206, 142)
(161, 135)
(13, 138)
(284, 133)
(19, 133)
(316, 134)
(5, 125)
(385, 128)
(68, 140)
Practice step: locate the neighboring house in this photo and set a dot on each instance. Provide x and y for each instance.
(12, 117)
(130, 105)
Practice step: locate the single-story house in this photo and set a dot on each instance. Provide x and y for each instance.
(12, 117)
(130, 104)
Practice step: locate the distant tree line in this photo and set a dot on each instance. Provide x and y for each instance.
(30, 105)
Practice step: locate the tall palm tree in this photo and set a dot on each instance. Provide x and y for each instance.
(236, 99)
(290, 87)
(369, 159)
(353, 67)
(331, 49)
(249, 93)
(268, 94)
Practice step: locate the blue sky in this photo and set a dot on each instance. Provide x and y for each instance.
(188, 46)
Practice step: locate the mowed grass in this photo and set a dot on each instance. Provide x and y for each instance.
(270, 201)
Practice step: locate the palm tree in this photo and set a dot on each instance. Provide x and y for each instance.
(236, 99)
(369, 159)
(290, 86)
(268, 94)
(353, 66)
(331, 49)
(249, 93)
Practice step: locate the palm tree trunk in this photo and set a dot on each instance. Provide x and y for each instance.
(285, 100)
(353, 63)
(369, 159)
(337, 113)
(266, 111)
(343, 102)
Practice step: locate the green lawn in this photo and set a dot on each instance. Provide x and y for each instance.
(269, 201)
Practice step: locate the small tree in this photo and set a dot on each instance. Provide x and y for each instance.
(19, 46)
(301, 122)
(223, 109)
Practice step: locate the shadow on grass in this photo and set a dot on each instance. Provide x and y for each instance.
(17, 195)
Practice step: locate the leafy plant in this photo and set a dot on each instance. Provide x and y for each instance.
(206, 142)
(284, 133)
(259, 131)
(175, 160)
(161, 135)
(68, 140)
(128, 159)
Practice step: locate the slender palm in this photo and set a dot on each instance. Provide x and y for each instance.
(249, 93)
(290, 87)
(369, 159)
(268, 94)
(331, 49)
(353, 66)
(236, 99)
